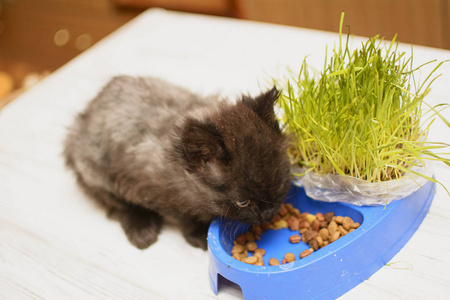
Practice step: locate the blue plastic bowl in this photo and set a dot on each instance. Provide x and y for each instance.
(328, 272)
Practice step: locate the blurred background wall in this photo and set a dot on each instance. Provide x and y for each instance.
(38, 36)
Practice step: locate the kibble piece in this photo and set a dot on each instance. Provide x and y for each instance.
(283, 210)
(259, 263)
(259, 257)
(342, 230)
(315, 225)
(274, 262)
(251, 246)
(304, 224)
(310, 218)
(293, 223)
(241, 239)
(324, 233)
(302, 217)
(355, 225)
(332, 227)
(260, 251)
(238, 248)
(257, 231)
(347, 223)
(280, 224)
(319, 240)
(329, 216)
(314, 244)
(320, 217)
(249, 236)
(309, 235)
(266, 226)
(295, 239)
(289, 257)
(334, 236)
(250, 260)
(289, 207)
(276, 219)
(240, 256)
(323, 224)
(339, 219)
(305, 253)
(295, 212)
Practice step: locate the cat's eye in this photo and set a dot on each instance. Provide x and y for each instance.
(242, 203)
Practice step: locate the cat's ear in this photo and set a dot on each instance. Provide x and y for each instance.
(263, 106)
(201, 146)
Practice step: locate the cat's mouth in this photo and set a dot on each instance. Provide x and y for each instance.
(252, 220)
(262, 217)
(255, 216)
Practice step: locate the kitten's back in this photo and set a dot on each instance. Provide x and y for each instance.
(130, 119)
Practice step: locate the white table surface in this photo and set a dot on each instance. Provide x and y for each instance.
(56, 244)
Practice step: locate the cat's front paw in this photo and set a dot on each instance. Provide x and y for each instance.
(196, 235)
(141, 226)
(197, 241)
(142, 237)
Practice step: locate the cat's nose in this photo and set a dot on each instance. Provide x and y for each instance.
(267, 215)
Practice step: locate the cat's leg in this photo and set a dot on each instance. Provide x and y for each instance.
(141, 225)
(196, 233)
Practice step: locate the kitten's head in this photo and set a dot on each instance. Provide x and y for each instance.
(238, 154)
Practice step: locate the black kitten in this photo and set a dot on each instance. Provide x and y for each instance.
(148, 150)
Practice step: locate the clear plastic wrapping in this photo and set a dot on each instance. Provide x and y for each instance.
(348, 189)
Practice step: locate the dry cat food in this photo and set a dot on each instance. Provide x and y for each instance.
(274, 262)
(316, 231)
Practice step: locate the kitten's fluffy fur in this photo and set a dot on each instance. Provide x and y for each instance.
(148, 150)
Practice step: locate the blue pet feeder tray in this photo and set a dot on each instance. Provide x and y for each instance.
(328, 272)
